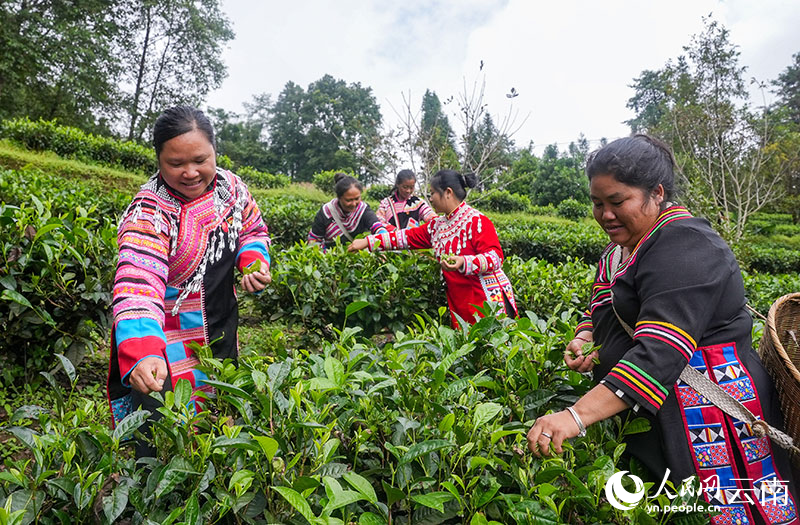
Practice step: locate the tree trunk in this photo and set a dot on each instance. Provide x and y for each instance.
(140, 75)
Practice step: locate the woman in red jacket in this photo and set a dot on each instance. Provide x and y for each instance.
(464, 242)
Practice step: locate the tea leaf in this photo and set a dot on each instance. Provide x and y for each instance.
(362, 485)
(128, 425)
(192, 510)
(183, 393)
(484, 413)
(334, 370)
(297, 501)
(393, 495)
(447, 422)
(434, 500)
(341, 499)
(355, 307)
(268, 445)
(369, 518)
(114, 504)
(16, 297)
(254, 267)
(422, 449)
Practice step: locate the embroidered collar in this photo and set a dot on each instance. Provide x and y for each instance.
(461, 207)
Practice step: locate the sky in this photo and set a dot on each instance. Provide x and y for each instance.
(571, 62)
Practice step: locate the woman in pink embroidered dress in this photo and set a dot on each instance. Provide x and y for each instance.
(464, 242)
(403, 209)
(180, 241)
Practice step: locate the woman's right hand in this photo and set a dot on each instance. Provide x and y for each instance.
(574, 355)
(149, 375)
(358, 244)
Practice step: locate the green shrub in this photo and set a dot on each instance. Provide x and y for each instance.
(554, 241)
(258, 179)
(55, 278)
(548, 210)
(73, 143)
(429, 428)
(312, 289)
(224, 162)
(763, 289)
(500, 200)
(547, 288)
(378, 192)
(789, 230)
(572, 209)
(768, 259)
(324, 180)
(288, 218)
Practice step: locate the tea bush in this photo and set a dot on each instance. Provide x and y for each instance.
(312, 289)
(500, 200)
(324, 180)
(55, 283)
(288, 218)
(769, 259)
(73, 143)
(258, 179)
(378, 192)
(572, 209)
(552, 241)
(430, 428)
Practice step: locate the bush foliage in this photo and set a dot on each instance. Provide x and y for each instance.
(73, 143)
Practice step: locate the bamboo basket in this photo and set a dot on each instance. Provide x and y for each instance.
(780, 352)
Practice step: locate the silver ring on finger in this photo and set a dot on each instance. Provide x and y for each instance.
(548, 436)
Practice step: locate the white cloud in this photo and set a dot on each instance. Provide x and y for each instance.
(570, 61)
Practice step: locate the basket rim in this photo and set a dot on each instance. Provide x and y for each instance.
(775, 338)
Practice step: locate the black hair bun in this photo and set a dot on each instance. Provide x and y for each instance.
(470, 180)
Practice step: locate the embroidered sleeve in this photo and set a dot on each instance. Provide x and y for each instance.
(370, 221)
(486, 243)
(254, 239)
(680, 280)
(140, 284)
(584, 323)
(426, 213)
(317, 233)
(415, 238)
(384, 211)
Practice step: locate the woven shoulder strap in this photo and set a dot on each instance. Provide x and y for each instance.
(338, 220)
(394, 212)
(711, 390)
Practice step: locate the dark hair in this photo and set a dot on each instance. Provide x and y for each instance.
(457, 182)
(641, 161)
(343, 182)
(178, 120)
(402, 176)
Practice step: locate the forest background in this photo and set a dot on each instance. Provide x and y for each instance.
(80, 86)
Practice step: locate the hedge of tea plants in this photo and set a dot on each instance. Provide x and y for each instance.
(429, 428)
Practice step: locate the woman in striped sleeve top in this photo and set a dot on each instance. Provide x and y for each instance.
(181, 240)
(669, 293)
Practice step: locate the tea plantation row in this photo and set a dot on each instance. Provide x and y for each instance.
(59, 247)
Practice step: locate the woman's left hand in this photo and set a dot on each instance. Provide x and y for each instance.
(549, 432)
(256, 281)
(452, 263)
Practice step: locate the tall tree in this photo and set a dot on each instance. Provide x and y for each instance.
(788, 90)
(726, 150)
(58, 60)
(241, 139)
(174, 55)
(331, 125)
(435, 140)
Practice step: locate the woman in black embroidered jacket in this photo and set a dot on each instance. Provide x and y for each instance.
(669, 280)
(346, 215)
